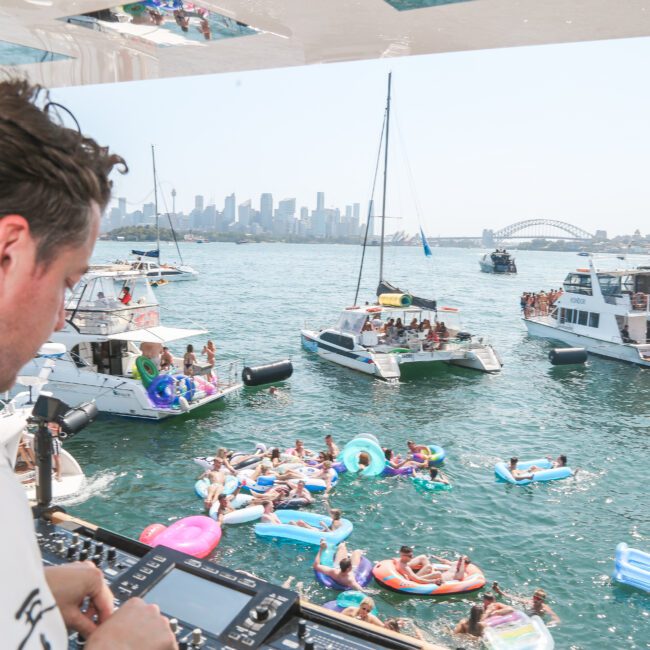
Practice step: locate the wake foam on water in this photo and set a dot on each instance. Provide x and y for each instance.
(99, 484)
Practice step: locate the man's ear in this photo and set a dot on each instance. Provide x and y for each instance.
(15, 243)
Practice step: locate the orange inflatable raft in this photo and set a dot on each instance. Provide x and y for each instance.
(386, 574)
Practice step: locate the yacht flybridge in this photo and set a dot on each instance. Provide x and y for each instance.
(148, 264)
(108, 314)
(604, 311)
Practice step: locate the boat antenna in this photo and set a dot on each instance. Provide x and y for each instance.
(371, 206)
(383, 203)
(155, 199)
(171, 227)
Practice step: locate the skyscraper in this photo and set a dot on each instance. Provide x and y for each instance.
(320, 201)
(266, 211)
(229, 211)
(198, 202)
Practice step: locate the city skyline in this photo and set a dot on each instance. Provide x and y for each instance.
(287, 219)
(478, 140)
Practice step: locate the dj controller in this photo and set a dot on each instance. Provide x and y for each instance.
(210, 607)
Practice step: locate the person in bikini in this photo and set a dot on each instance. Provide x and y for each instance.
(347, 564)
(189, 359)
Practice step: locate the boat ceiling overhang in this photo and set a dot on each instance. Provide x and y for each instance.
(158, 334)
(76, 42)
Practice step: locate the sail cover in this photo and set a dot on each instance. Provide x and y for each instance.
(423, 303)
(153, 253)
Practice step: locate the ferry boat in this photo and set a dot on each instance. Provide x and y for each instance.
(500, 261)
(604, 311)
(101, 337)
(406, 354)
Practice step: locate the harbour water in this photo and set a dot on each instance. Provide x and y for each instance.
(560, 536)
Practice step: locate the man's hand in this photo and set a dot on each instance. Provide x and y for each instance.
(135, 626)
(70, 585)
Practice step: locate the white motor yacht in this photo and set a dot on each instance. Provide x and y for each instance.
(393, 354)
(147, 263)
(604, 311)
(107, 316)
(13, 427)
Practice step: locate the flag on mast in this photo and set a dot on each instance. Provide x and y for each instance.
(425, 243)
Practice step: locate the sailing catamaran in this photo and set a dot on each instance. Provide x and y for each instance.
(148, 262)
(400, 334)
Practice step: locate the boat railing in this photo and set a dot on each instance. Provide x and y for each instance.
(228, 373)
(116, 321)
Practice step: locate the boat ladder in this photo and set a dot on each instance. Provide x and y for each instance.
(387, 366)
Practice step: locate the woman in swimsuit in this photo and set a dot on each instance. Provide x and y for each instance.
(189, 359)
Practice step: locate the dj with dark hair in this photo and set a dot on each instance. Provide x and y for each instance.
(54, 185)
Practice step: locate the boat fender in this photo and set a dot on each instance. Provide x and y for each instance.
(567, 356)
(147, 370)
(267, 374)
(183, 404)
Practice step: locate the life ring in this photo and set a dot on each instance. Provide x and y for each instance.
(147, 370)
(386, 575)
(373, 310)
(162, 391)
(350, 456)
(434, 454)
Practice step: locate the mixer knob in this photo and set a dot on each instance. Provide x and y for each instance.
(111, 553)
(302, 628)
(310, 644)
(261, 613)
(72, 550)
(87, 542)
(75, 538)
(97, 559)
(173, 623)
(182, 645)
(197, 636)
(60, 546)
(83, 555)
(99, 548)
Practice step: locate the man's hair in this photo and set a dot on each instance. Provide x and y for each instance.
(405, 549)
(49, 174)
(345, 564)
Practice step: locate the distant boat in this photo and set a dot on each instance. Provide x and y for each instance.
(120, 238)
(498, 262)
(242, 241)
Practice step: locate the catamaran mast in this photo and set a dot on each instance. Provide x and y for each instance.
(383, 203)
(155, 199)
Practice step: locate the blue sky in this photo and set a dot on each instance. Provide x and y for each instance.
(490, 137)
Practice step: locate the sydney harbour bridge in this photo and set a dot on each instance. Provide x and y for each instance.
(531, 229)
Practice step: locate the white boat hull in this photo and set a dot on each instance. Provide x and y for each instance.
(609, 349)
(116, 395)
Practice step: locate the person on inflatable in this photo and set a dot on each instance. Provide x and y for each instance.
(420, 569)
(217, 477)
(436, 476)
(225, 505)
(492, 608)
(347, 563)
(560, 461)
(535, 606)
(416, 449)
(395, 461)
(520, 474)
(301, 492)
(269, 517)
(363, 612)
(300, 451)
(273, 494)
(332, 447)
(334, 513)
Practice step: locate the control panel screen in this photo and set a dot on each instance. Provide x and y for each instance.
(197, 601)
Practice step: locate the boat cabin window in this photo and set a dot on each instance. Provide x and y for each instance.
(338, 339)
(579, 317)
(610, 285)
(578, 283)
(642, 283)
